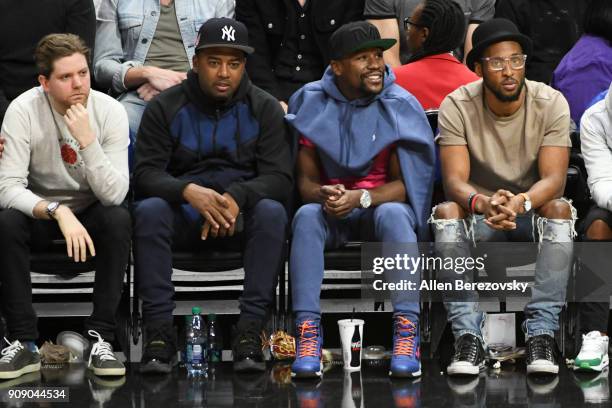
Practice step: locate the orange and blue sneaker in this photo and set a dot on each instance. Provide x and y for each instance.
(309, 340)
(406, 358)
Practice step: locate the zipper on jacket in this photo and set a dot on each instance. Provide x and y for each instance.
(214, 133)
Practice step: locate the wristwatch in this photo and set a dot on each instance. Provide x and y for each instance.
(52, 208)
(366, 199)
(527, 203)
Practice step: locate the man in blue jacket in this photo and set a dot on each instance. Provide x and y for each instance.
(212, 160)
(365, 172)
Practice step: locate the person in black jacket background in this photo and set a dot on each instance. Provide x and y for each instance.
(291, 38)
(22, 25)
(212, 160)
(554, 26)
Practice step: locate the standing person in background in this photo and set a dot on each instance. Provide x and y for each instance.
(291, 38)
(586, 70)
(144, 47)
(389, 17)
(22, 24)
(554, 26)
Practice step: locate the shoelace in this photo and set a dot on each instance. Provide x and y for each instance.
(466, 350)
(101, 348)
(540, 349)
(404, 346)
(309, 346)
(9, 352)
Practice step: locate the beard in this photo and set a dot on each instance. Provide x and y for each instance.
(500, 95)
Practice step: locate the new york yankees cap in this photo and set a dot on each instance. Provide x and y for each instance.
(224, 32)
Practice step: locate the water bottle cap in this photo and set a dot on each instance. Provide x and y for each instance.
(212, 317)
(196, 310)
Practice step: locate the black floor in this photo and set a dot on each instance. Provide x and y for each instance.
(370, 388)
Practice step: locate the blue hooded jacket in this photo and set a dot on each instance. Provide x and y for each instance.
(349, 135)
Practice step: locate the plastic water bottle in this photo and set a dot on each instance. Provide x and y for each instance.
(214, 339)
(196, 360)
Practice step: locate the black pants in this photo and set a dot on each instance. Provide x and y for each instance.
(160, 227)
(109, 228)
(594, 315)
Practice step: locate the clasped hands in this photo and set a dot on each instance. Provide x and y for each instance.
(501, 209)
(338, 201)
(219, 211)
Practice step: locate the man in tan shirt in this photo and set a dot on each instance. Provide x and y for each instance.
(504, 146)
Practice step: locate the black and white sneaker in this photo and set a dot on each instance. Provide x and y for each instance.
(17, 360)
(102, 360)
(542, 355)
(159, 356)
(469, 357)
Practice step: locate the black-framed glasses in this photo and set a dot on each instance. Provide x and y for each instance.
(408, 24)
(498, 63)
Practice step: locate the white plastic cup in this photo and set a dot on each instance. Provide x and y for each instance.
(347, 328)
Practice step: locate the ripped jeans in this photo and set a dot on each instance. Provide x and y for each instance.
(553, 265)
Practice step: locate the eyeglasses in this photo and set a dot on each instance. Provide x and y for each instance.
(499, 63)
(408, 23)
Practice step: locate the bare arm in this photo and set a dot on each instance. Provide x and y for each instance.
(552, 165)
(388, 29)
(394, 189)
(456, 174)
(309, 177)
(468, 40)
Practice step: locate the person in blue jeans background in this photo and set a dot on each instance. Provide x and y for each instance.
(504, 148)
(363, 139)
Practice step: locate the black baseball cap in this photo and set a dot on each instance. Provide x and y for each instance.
(224, 32)
(356, 36)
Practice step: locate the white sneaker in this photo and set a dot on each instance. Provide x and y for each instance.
(593, 354)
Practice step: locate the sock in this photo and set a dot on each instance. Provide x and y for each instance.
(30, 345)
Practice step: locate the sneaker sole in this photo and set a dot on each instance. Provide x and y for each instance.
(9, 375)
(542, 369)
(155, 367)
(405, 375)
(102, 372)
(597, 368)
(249, 365)
(308, 374)
(465, 369)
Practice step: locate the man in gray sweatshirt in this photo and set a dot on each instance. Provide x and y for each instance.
(63, 174)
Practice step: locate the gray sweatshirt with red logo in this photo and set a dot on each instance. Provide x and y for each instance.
(42, 161)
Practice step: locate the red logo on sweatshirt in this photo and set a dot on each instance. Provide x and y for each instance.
(69, 155)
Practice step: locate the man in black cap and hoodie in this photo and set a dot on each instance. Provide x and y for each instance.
(212, 164)
(504, 147)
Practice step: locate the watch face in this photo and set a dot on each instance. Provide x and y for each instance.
(366, 199)
(52, 207)
(527, 205)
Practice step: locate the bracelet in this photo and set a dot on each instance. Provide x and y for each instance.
(473, 203)
(470, 199)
